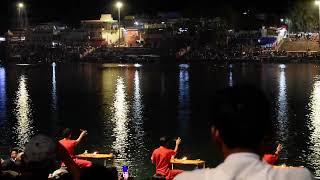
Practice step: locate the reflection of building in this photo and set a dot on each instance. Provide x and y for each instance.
(105, 29)
(23, 112)
(314, 106)
(184, 100)
(282, 116)
(3, 97)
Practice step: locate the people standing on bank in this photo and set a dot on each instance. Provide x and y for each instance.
(70, 145)
(241, 123)
(161, 158)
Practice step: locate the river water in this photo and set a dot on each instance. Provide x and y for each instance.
(126, 108)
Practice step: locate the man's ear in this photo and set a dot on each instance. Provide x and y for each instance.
(214, 132)
(216, 135)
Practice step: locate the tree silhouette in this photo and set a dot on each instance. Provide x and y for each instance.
(304, 16)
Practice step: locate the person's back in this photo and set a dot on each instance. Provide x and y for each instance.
(247, 166)
(161, 158)
(69, 145)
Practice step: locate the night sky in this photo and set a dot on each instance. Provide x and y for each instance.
(72, 11)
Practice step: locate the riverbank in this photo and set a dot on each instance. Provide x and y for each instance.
(151, 55)
(173, 61)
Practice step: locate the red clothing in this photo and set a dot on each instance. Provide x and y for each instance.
(70, 145)
(82, 163)
(270, 158)
(161, 157)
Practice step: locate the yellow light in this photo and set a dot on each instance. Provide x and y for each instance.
(317, 3)
(119, 4)
(95, 152)
(20, 5)
(184, 158)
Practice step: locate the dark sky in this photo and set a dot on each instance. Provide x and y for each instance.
(71, 11)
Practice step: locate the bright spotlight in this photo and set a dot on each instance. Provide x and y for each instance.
(20, 5)
(119, 5)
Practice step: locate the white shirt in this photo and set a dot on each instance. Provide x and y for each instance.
(246, 166)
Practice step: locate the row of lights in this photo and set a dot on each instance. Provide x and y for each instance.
(21, 5)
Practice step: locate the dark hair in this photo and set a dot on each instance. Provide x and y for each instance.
(242, 116)
(66, 132)
(164, 141)
(16, 149)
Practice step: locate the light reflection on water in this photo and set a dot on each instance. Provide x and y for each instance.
(23, 113)
(3, 97)
(230, 79)
(120, 119)
(125, 103)
(184, 100)
(282, 117)
(54, 87)
(314, 107)
(126, 121)
(137, 120)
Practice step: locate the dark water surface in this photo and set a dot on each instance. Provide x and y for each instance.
(127, 108)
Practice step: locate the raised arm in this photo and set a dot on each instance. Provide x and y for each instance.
(83, 133)
(279, 149)
(178, 141)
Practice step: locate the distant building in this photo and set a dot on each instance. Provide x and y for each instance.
(16, 35)
(74, 35)
(44, 34)
(104, 30)
(133, 37)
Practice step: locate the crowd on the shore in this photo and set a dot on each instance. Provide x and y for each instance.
(304, 36)
(248, 53)
(241, 127)
(48, 53)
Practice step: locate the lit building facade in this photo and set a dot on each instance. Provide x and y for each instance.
(104, 30)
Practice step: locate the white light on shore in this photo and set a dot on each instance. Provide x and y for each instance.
(282, 66)
(184, 66)
(119, 5)
(137, 65)
(20, 5)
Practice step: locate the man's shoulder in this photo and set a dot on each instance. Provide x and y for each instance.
(195, 174)
(292, 173)
(276, 173)
(156, 150)
(67, 141)
(163, 150)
